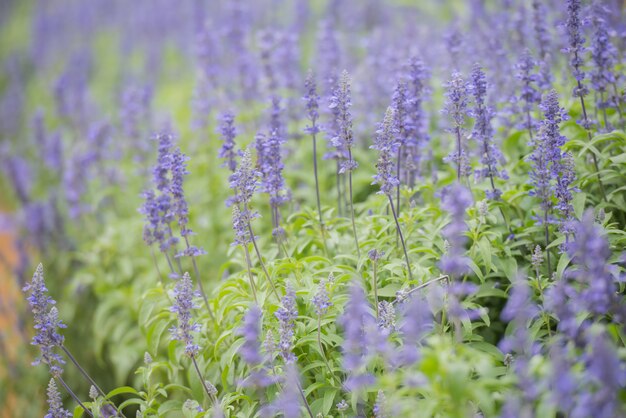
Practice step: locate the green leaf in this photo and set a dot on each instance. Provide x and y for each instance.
(120, 390)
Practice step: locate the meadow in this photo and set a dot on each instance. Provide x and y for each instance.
(308, 208)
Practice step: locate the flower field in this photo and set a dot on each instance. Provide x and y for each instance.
(313, 208)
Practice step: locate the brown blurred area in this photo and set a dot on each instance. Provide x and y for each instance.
(10, 336)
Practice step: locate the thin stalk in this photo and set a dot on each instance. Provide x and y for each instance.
(86, 375)
(406, 255)
(458, 153)
(306, 403)
(375, 285)
(593, 155)
(73, 395)
(249, 266)
(319, 343)
(258, 254)
(199, 280)
(356, 240)
(529, 124)
(604, 116)
(398, 173)
(618, 105)
(423, 285)
(547, 237)
(206, 389)
(339, 211)
(317, 192)
(169, 262)
(157, 266)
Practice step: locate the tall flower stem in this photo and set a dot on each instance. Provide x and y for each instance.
(338, 178)
(73, 395)
(375, 283)
(306, 403)
(258, 254)
(398, 173)
(199, 280)
(319, 343)
(156, 265)
(590, 138)
(317, 193)
(206, 389)
(547, 238)
(406, 255)
(249, 266)
(356, 240)
(458, 153)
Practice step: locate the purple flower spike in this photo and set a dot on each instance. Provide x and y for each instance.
(321, 301)
(590, 255)
(576, 47)
(417, 132)
(250, 351)
(456, 200)
(357, 322)
(386, 144)
(183, 305)
(227, 152)
(604, 56)
(483, 133)
(286, 316)
(55, 404)
(46, 323)
(457, 100)
(311, 99)
(340, 104)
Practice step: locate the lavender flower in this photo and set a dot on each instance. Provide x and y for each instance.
(183, 305)
(456, 200)
(244, 181)
(356, 320)
(416, 321)
(457, 100)
(321, 301)
(340, 104)
(328, 55)
(604, 377)
(546, 155)
(562, 382)
(46, 323)
(179, 203)
(269, 153)
(386, 144)
(286, 316)
(483, 133)
(55, 403)
(560, 300)
(250, 350)
(604, 56)
(540, 27)
(590, 254)
(386, 316)
(576, 47)
(289, 400)
(135, 111)
(564, 195)
(417, 135)
(521, 310)
(227, 151)
(529, 94)
(380, 406)
(312, 103)
(19, 172)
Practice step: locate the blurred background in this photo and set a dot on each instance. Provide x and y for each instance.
(84, 84)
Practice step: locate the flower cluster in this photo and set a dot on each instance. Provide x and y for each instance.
(183, 305)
